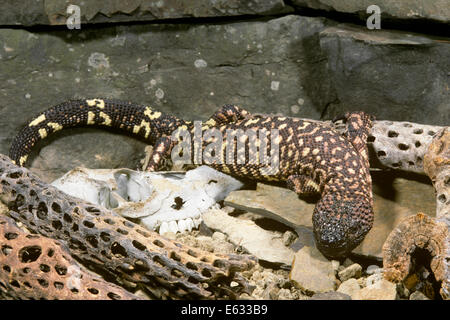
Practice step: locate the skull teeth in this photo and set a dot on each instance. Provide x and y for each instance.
(181, 225)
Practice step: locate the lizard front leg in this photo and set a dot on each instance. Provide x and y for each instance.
(303, 185)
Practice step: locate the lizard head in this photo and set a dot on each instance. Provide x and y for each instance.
(341, 223)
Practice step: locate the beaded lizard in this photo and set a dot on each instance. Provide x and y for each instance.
(313, 158)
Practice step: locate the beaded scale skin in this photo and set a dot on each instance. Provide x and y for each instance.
(312, 157)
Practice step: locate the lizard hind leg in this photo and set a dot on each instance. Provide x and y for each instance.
(227, 114)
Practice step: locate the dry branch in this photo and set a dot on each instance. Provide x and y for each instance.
(36, 267)
(423, 232)
(398, 145)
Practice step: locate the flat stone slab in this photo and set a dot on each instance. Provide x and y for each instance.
(273, 202)
(312, 272)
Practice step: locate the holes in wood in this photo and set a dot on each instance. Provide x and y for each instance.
(139, 245)
(118, 250)
(105, 237)
(42, 211)
(88, 224)
(381, 154)
(61, 270)
(29, 254)
(392, 134)
(11, 235)
(158, 243)
(175, 256)
(44, 268)
(114, 296)
(56, 207)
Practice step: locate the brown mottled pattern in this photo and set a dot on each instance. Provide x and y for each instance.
(312, 156)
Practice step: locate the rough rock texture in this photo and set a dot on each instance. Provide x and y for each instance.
(438, 10)
(54, 12)
(372, 70)
(312, 272)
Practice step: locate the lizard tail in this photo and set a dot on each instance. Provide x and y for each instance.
(139, 120)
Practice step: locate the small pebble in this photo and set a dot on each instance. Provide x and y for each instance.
(411, 281)
(284, 283)
(373, 269)
(285, 294)
(402, 291)
(288, 238)
(417, 295)
(347, 262)
(373, 279)
(335, 264)
(353, 271)
(349, 287)
(223, 247)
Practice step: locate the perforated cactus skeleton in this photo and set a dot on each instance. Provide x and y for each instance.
(36, 267)
(123, 252)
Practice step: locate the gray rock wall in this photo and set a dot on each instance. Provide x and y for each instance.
(438, 10)
(289, 64)
(54, 12)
